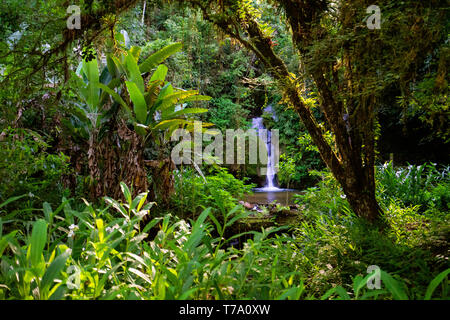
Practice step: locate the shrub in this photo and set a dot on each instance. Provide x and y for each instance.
(27, 167)
(413, 185)
(325, 198)
(336, 245)
(228, 115)
(194, 193)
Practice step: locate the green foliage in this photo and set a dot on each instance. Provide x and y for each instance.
(286, 169)
(217, 190)
(107, 253)
(28, 167)
(228, 115)
(158, 57)
(153, 103)
(422, 185)
(70, 250)
(214, 65)
(326, 198)
(100, 254)
(31, 273)
(92, 112)
(337, 245)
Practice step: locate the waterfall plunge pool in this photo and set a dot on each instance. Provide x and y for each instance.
(267, 195)
(269, 192)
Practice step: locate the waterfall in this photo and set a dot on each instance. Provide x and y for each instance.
(257, 124)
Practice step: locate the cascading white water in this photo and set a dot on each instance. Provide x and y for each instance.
(257, 124)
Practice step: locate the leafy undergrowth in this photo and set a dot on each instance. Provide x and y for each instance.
(409, 244)
(107, 253)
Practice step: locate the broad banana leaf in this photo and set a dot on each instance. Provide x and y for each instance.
(134, 75)
(112, 68)
(159, 74)
(91, 71)
(152, 93)
(140, 107)
(186, 111)
(168, 123)
(105, 95)
(159, 56)
(135, 51)
(174, 98)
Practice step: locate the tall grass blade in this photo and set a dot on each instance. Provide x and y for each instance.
(38, 240)
(435, 283)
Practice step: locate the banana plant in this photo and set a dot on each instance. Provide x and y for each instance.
(149, 102)
(91, 114)
(91, 111)
(152, 108)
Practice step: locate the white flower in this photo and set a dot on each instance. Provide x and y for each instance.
(111, 229)
(343, 196)
(72, 229)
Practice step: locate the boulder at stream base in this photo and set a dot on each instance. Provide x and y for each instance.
(247, 205)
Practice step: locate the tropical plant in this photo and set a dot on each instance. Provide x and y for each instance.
(149, 103)
(155, 115)
(28, 166)
(286, 168)
(92, 114)
(414, 184)
(107, 253)
(218, 190)
(153, 104)
(32, 274)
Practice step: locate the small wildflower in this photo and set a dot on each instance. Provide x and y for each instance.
(111, 229)
(72, 229)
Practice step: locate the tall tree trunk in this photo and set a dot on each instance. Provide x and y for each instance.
(360, 192)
